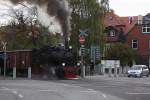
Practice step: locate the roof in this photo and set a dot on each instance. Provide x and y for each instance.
(128, 22)
(111, 19)
(129, 25)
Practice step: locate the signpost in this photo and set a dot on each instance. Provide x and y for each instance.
(82, 40)
(4, 48)
(82, 36)
(95, 55)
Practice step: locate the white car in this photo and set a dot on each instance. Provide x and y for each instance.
(138, 71)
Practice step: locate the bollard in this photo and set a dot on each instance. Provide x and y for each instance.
(115, 70)
(14, 72)
(29, 72)
(110, 71)
(120, 71)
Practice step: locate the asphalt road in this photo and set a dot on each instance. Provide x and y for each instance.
(91, 88)
(123, 88)
(46, 90)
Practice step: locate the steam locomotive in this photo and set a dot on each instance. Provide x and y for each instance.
(57, 58)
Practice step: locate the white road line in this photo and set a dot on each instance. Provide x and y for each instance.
(4, 94)
(76, 86)
(63, 84)
(89, 91)
(15, 92)
(106, 86)
(138, 93)
(20, 95)
(12, 90)
(7, 89)
(104, 95)
(47, 90)
(4, 88)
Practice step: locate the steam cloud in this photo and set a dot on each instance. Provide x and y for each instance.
(57, 9)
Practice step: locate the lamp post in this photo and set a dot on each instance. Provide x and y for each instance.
(4, 49)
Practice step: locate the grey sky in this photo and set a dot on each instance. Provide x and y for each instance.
(130, 7)
(121, 7)
(5, 10)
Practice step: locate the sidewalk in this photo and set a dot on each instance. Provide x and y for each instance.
(145, 80)
(10, 78)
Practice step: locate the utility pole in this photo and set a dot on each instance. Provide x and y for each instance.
(82, 39)
(4, 48)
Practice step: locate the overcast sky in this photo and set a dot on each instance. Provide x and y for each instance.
(121, 7)
(130, 7)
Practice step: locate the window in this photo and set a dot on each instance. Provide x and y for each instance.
(146, 28)
(135, 44)
(112, 33)
(110, 18)
(149, 44)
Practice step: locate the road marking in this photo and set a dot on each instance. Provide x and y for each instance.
(106, 86)
(63, 84)
(4, 94)
(47, 90)
(20, 95)
(4, 88)
(76, 86)
(104, 95)
(15, 92)
(89, 91)
(137, 93)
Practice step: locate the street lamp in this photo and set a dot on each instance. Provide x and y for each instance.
(78, 64)
(4, 49)
(63, 64)
(70, 47)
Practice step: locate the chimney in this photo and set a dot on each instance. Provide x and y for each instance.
(140, 18)
(130, 20)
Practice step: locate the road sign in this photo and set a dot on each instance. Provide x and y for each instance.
(83, 33)
(95, 54)
(82, 40)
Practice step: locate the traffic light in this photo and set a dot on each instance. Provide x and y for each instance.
(82, 51)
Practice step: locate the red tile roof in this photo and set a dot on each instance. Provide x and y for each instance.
(112, 19)
(128, 25)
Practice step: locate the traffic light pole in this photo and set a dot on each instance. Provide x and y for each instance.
(82, 64)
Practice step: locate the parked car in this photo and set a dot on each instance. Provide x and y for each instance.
(138, 71)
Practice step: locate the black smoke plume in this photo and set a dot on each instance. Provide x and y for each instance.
(56, 8)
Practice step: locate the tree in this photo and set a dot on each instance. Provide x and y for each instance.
(120, 51)
(24, 30)
(122, 37)
(88, 15)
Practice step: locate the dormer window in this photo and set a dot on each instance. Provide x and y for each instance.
(146, 28)
(112, 33)
(110, 18)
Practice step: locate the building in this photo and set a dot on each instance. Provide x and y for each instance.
(115, 24)
(139, 39)
(136, 30)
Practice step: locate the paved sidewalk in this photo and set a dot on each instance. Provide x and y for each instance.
(144, 80)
